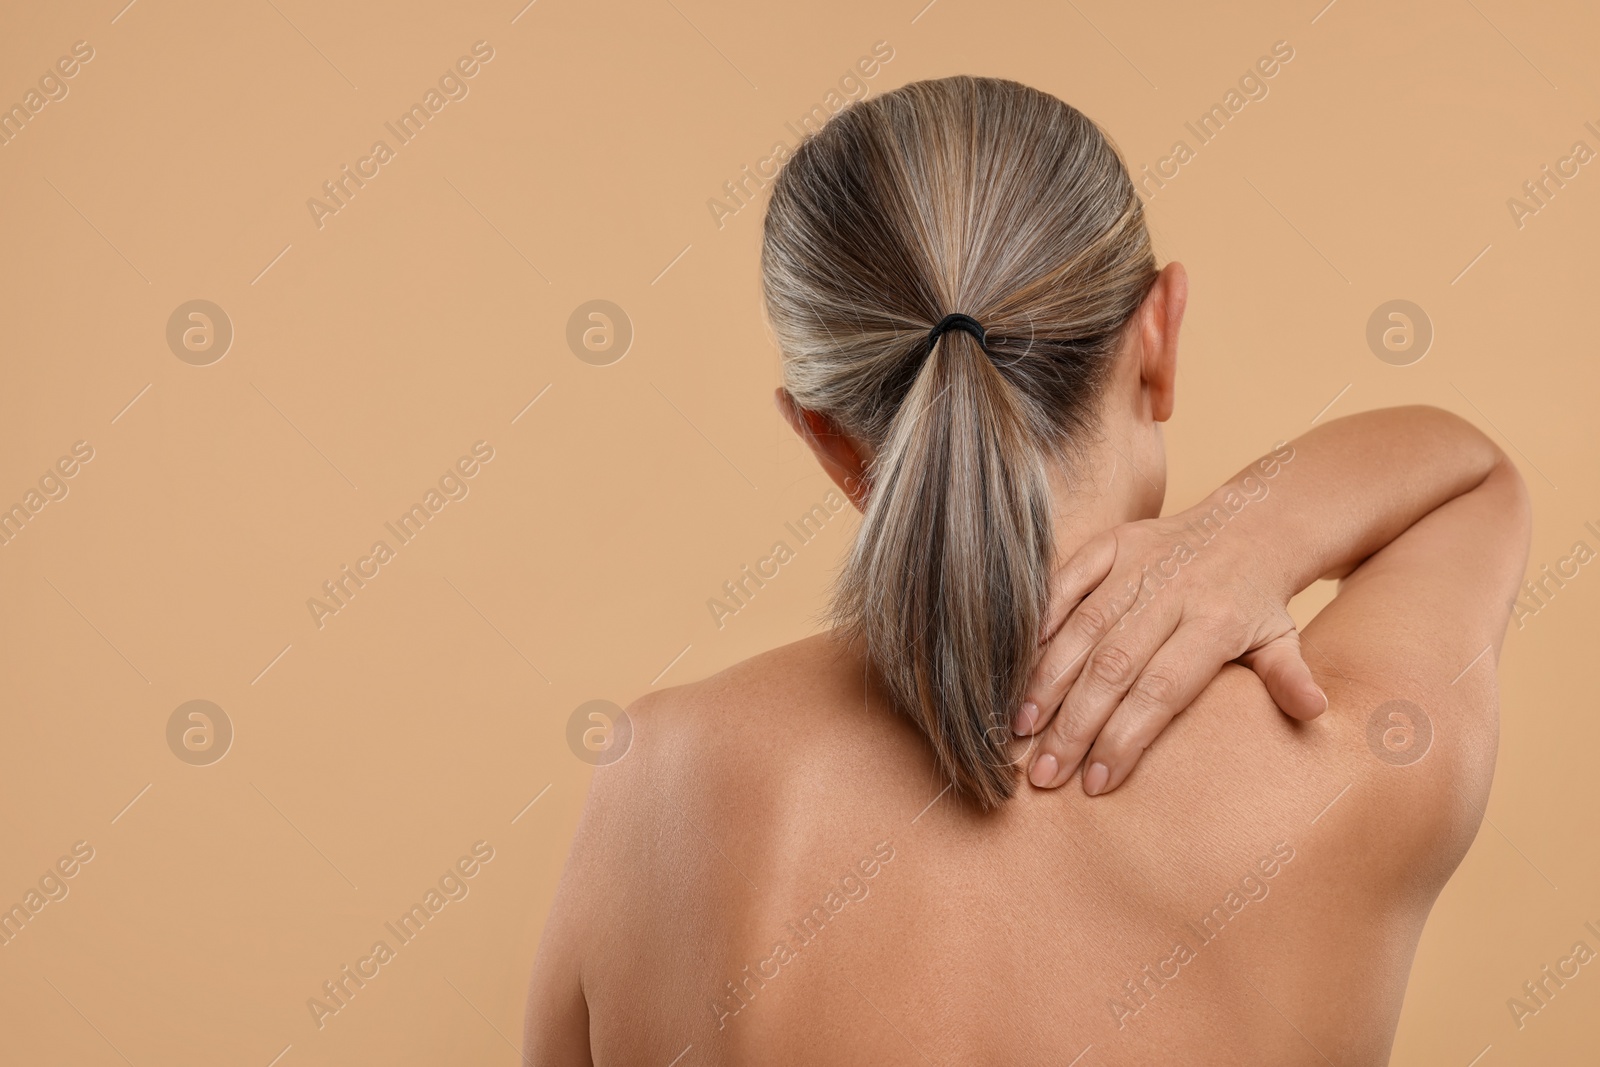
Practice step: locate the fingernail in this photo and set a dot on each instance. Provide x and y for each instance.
(1094, 779)
(1324, 695)
(1027, 715)
(1044, 771)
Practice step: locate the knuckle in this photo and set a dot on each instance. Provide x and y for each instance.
(1280, 631)
(1051, 680)
(1157, 687)
(1091, 619)
(1111, 666)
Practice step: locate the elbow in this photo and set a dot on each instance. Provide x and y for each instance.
(1441, 423)
(1490, 460)
(1519, 504)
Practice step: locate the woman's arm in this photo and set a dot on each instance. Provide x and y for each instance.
(556, 1027)
(1143, 616)
(1357, 483)
(555, 1030)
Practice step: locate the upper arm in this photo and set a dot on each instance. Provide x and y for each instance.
(616, 827)
(1414, 615)
(556, 1030)
(556, 1027)
(1407, 652)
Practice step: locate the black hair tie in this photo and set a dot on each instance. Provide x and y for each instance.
(956, 321)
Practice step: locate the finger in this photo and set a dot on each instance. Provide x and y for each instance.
(1283, 670)
(1177, 674)
(1074, 580)
(1109, 671)
(1077, 578)
(1067, 651)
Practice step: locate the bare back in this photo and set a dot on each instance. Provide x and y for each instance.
(775, 873)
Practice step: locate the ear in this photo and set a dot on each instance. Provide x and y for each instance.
(841, 457)
(1160, 318)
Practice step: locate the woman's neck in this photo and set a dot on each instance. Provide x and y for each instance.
(1105, 487)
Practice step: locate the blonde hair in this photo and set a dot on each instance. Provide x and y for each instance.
(989, 198)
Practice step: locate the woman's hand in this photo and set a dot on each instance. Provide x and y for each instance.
(1144, 615)
(1141, 619)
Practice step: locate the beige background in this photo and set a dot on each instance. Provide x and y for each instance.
(369, 354)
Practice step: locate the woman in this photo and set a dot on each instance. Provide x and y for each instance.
(852, 849)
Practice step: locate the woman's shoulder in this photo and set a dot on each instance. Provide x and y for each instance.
(806, 699)
(753, 774)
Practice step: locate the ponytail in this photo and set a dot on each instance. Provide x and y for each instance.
(945, 589)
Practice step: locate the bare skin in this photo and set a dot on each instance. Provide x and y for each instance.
(775, 874)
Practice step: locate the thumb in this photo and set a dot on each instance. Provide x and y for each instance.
(1283, 670)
